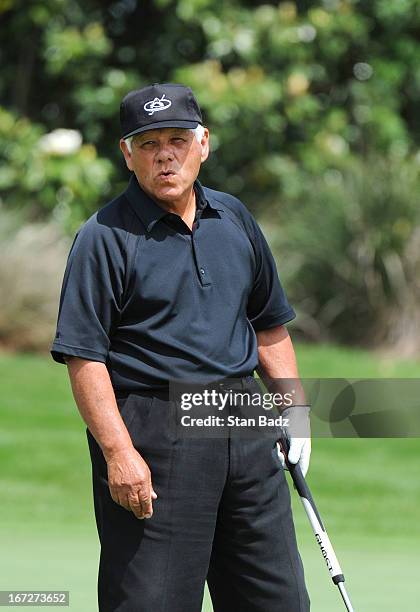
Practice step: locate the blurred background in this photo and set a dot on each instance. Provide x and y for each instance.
(313, 108)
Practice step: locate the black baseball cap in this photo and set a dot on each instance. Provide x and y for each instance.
(159, 106)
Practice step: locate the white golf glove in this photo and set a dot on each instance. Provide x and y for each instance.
(299, 432)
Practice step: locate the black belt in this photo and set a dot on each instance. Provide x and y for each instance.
(222, 384)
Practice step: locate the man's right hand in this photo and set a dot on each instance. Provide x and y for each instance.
(130, 482)
(129, 477)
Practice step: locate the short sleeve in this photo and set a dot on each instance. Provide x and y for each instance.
(267, 303)
(91, 295)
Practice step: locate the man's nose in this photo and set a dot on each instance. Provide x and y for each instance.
(165, 153)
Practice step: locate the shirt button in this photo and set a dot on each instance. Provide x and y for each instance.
(202, 270)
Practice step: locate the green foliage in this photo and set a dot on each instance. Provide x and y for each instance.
(296, 94)
(66, 47)
(315, 82)
(354, 244)
(42, 179)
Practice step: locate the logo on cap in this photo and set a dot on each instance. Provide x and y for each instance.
(158, 104)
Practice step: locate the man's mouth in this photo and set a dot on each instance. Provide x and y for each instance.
(166, 173)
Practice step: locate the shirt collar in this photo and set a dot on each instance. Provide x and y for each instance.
(148, 211)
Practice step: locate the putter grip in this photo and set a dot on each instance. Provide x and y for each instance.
(294, 468)
(296, 474)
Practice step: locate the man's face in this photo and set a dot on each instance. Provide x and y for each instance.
(166, 161)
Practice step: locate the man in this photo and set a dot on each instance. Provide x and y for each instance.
(173, 281)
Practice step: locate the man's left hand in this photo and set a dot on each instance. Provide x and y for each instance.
(300, 451)
(299, 433)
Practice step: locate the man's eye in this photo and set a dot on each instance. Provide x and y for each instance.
(178, 139)
(147, 143)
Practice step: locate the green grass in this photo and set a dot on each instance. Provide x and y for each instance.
(367, 491)
(336, 362)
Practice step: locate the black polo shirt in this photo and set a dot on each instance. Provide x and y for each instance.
(156, 301)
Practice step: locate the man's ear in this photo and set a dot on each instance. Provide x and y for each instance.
(126, 153)
(205, 145)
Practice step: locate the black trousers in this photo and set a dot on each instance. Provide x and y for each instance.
(222, 514)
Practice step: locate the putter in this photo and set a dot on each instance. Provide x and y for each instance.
(321, 535)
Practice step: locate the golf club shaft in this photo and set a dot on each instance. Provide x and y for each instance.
(319, 530)
(345, 597)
